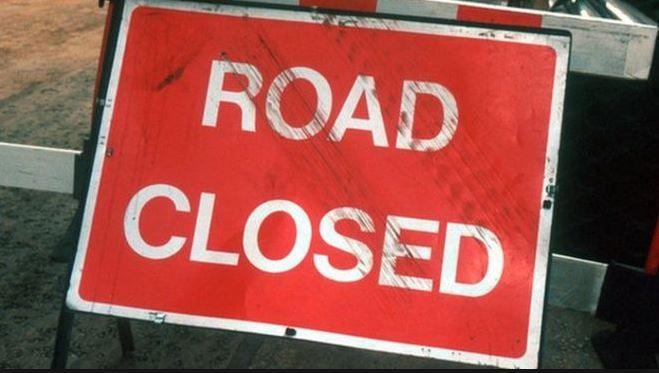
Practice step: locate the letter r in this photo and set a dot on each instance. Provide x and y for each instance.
(244, 99)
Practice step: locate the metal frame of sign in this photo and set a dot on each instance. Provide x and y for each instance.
(558, 40)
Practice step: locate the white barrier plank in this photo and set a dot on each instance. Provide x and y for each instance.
(39, 168)
(621, 48)
(575, 283)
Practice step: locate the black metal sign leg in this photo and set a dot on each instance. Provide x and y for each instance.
(66, 316)
(125, 337)
(63, 338)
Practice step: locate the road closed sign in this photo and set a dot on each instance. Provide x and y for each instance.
(379, 183)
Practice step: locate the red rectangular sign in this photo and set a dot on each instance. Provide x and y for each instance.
(369, 182)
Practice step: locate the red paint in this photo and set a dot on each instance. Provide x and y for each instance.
(498, 16)
(355, 5)
(491, 174)
(652, 263)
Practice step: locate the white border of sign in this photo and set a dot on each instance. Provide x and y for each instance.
(560, 44)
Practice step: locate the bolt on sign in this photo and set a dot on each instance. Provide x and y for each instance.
(371, 182)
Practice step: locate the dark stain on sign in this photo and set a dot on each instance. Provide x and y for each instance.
(170, 78)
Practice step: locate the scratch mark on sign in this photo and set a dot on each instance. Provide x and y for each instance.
(171, 78)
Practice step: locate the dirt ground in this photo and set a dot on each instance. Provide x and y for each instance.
(48, 56)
